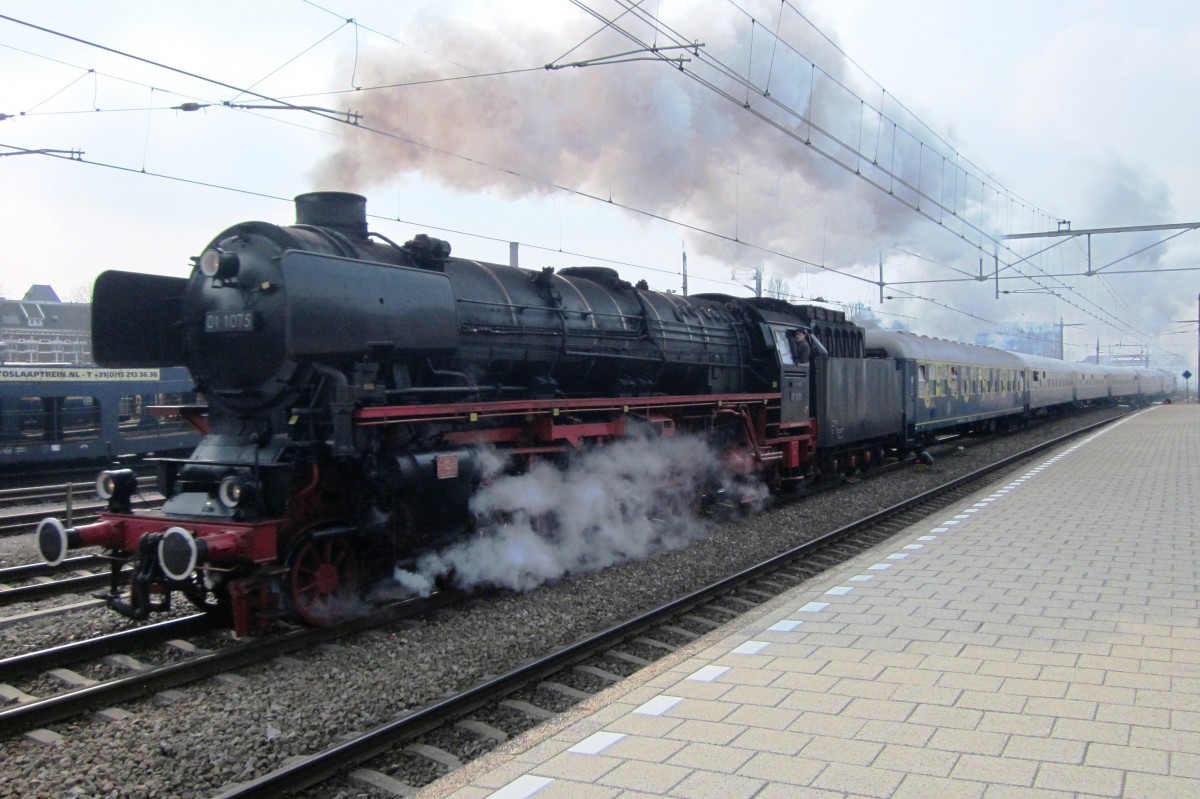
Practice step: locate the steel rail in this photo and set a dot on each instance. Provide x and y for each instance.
(28, 571)
(66, 585)
(66, 654)
(21, 522)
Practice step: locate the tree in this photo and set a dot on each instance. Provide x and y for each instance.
(82, 292)
(777, 287)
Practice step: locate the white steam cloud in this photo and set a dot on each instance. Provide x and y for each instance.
(614, 503)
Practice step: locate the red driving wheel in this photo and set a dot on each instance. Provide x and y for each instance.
(323, 580)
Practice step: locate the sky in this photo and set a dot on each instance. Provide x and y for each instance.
(818, 143)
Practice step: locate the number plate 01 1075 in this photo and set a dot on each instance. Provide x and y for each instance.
(229, 321)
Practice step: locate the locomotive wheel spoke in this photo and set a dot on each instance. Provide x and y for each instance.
(323, 582)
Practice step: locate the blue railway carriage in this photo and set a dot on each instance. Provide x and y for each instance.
(949, 387)
(57, 414)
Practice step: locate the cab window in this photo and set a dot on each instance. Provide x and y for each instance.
(783, 346)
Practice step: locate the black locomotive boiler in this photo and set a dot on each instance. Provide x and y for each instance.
(352, 383)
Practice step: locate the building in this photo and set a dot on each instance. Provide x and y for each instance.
(40, 328)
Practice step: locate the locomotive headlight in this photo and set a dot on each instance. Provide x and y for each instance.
(235, 491)
(217, 263)
(117, 486)
(113, 483)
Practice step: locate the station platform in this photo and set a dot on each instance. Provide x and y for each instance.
(1040, 641)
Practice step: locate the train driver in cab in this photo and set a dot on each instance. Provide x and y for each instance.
(801, 350)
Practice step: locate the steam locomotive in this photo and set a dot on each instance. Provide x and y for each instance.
(353, 385)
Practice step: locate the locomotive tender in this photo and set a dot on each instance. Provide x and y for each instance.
(352, 384)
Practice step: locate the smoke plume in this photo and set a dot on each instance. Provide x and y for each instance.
(737, 163)
(640, 133)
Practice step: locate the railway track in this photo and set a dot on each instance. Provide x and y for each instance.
(78, 582)
(54, 487)
(370, 758)
(22, 507)
(143, 679)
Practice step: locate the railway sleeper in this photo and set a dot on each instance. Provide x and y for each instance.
(599, 673)
(574, 694)
(483, 730)
(369, 778)
(528, 709)
(436, 754)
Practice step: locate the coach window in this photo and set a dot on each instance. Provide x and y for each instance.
(58, 418)
(30, 417)
(129, 410)
(80, 417)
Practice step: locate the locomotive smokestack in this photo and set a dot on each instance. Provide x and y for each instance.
(342, 211)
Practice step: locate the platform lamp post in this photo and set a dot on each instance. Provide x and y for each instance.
(1187, 391)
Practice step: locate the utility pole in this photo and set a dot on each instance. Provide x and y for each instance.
(685, 271)
(1195, 322)
(1062, 346)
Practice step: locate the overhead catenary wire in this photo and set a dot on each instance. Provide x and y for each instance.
(72, 155)
(608, 200)
(153, 63)
(733, 75)
(326, 114)
(332, 116)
